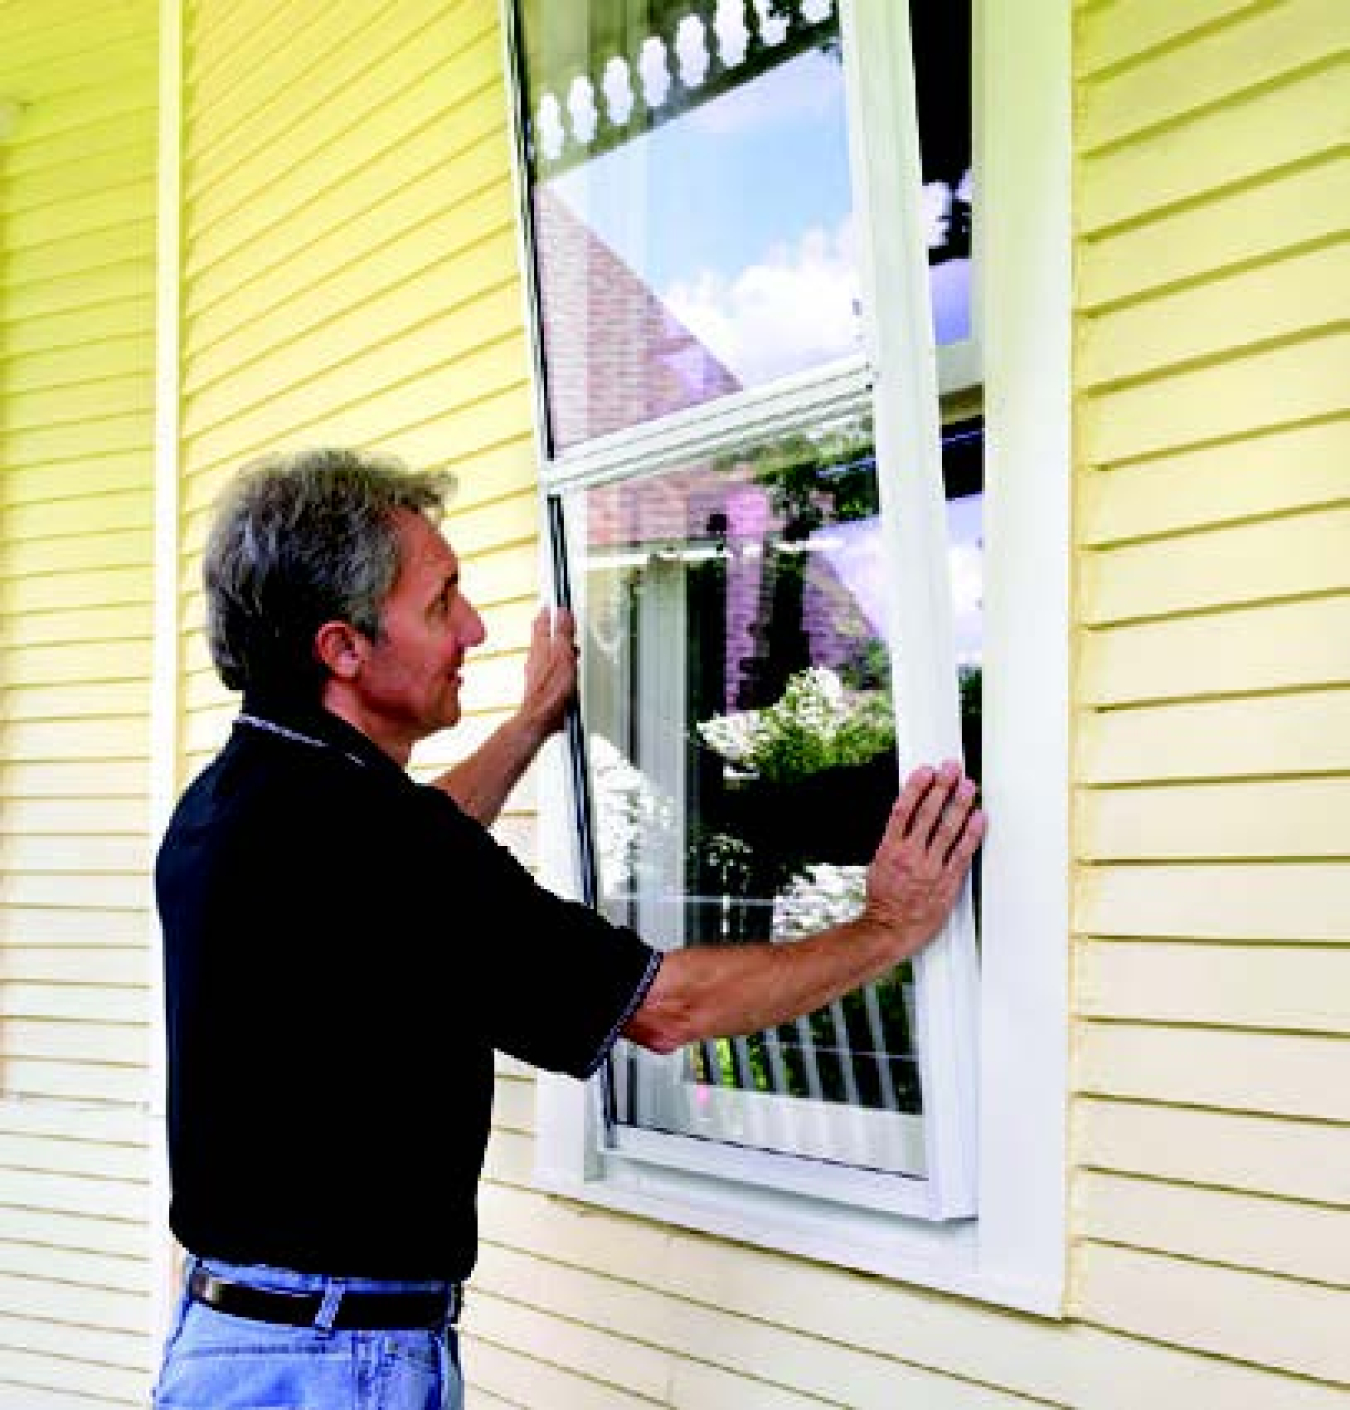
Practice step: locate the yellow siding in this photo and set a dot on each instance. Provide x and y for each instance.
(349, 276)
(1212, 899)
(77, 180)
(793, 1330)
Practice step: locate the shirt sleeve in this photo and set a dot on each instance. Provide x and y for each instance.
(555, 982)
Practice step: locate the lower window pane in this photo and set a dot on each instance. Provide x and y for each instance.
(742, 754)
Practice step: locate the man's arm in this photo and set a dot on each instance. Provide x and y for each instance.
(913, 881)
(481, 783)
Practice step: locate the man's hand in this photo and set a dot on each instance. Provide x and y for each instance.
(931, 836)
(550, 672)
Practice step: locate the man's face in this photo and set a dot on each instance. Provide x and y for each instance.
(410, 679)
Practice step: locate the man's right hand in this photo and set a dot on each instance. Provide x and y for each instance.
(931, 836)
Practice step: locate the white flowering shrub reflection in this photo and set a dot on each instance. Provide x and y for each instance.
(634, 819)
(816, 724)
(821, 894)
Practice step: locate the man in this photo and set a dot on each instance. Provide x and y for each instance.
(345, 949)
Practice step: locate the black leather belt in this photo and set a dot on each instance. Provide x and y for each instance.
(356, 1312)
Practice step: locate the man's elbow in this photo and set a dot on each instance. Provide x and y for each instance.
(659, 1031)
(668, 1017)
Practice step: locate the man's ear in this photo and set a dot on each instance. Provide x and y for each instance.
(341, 649)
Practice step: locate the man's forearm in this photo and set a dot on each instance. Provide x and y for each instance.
(719, 991)
(481, 783)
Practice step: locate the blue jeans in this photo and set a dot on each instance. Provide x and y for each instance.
(214, 1361)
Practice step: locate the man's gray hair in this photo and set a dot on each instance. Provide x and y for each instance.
(300, 540)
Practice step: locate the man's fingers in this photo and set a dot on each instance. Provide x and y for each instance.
(967, 843)
(955, 814)
(550, 620)
(929, 811)
(911, 795)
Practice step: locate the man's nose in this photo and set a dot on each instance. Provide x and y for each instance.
(472, 631)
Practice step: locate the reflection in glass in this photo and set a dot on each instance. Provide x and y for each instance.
(741, 744)
(742, 751)
(941, 39)
(963, 479)
(689, 190)
(692, 217)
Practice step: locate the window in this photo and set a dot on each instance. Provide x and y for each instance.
(764, 473)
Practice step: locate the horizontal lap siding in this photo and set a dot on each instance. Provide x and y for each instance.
(77, 279)
(350, 276)
(657, 1315)
(1212, 892)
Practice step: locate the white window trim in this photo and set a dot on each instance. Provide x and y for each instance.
(1013, 1252)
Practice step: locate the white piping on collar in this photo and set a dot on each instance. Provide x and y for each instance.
(292, 734)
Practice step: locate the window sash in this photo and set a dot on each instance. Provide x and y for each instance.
(659, 1094)
(897, 381)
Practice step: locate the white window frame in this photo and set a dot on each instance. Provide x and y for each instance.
(1013, 1152)
(895, 385)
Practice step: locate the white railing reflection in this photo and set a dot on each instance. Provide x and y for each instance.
(709, 41)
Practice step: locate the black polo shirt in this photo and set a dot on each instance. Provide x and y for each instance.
(344, 949)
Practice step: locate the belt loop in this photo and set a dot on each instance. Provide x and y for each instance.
(328, 1309)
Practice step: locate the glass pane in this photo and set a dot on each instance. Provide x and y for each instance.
(693, 222)
(742, 748)
(689, 190)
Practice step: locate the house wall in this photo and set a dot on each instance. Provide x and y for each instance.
(77, 165)
(1209, 1240)
(1212, 899)
(349, 274)
(349, 278)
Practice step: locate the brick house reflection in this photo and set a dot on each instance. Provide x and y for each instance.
(754, 618)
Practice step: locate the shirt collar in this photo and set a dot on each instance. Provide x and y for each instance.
(315, 724)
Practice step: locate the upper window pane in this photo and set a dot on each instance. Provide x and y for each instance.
(689, 191)
(689, 187)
